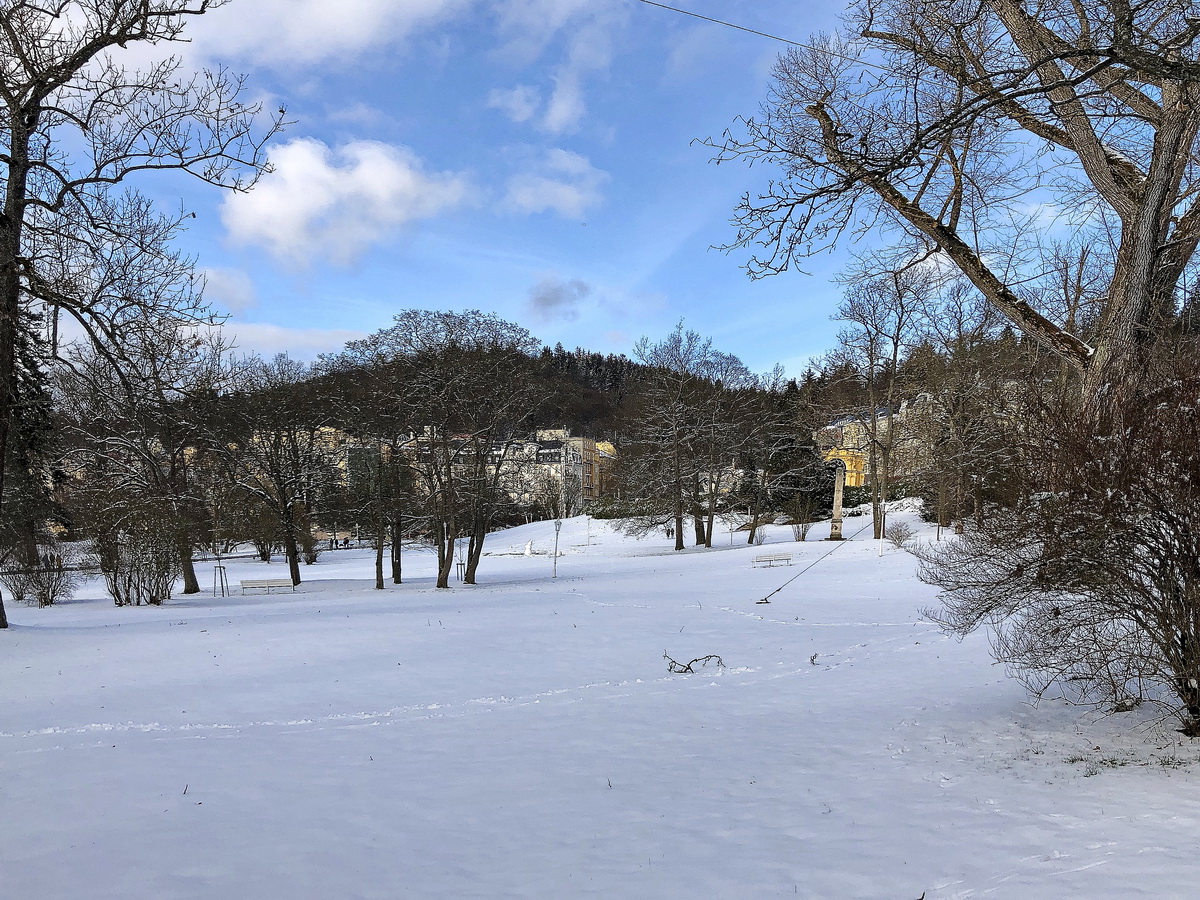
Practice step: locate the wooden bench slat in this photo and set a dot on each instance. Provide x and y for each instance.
(266, 584)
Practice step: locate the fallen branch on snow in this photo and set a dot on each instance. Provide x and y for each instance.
(678, 668)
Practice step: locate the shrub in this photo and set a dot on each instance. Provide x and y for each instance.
(46, 583)
(139, 565)
(899, 534)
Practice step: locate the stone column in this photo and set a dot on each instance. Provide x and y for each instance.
(839, 484)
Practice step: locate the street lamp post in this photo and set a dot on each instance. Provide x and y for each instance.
(557, 529)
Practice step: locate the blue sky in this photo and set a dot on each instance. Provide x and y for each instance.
(533, 158)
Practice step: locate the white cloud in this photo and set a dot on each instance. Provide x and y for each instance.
(323, 203)
(519, 104)
(299, 343)
(527, 28)
(293, 33)
(231, 289)
(563, 182)
(566, 108)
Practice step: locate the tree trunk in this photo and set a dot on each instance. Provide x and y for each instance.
(885, 473)
(445, 552)
(397, 551)
(474, 554)
(678, 517)
(960, 500)
(191, 584)
(380, 524)
(12, 219)
(380, 538)
(291, 548)
(756, 508)
(27, 546)
(873, 472)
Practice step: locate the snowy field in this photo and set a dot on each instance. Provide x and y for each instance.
(524, 739)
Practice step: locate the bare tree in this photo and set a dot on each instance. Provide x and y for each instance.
(948, 122)
(75, 123)
(468, 391)
(279, 448)
(698, 417)
(883, 302)
(132, 434)
(657, 466)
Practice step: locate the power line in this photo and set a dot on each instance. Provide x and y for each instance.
(695, 15)
(768, 35)
(832, 54)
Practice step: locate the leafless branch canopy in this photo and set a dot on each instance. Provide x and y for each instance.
(965, 124)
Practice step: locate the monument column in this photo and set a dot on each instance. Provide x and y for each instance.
(839, 485)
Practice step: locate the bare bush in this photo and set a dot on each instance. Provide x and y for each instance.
(44, 584)
(802, 509)
(139, 566)
(899, 534)
(18, 584)
(1089, 581)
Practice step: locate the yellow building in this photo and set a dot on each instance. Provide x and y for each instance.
(903, 433)
(855, 462)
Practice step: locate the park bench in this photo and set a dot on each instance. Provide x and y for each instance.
(772, 559)
(266, 584)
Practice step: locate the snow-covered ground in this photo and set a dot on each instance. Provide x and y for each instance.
(524, 739)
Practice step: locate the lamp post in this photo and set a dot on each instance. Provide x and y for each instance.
(557, 529)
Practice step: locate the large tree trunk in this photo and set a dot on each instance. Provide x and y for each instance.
(191, 584)
(10, 295)
(12, 219)
(474, 553)
(291, 547)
